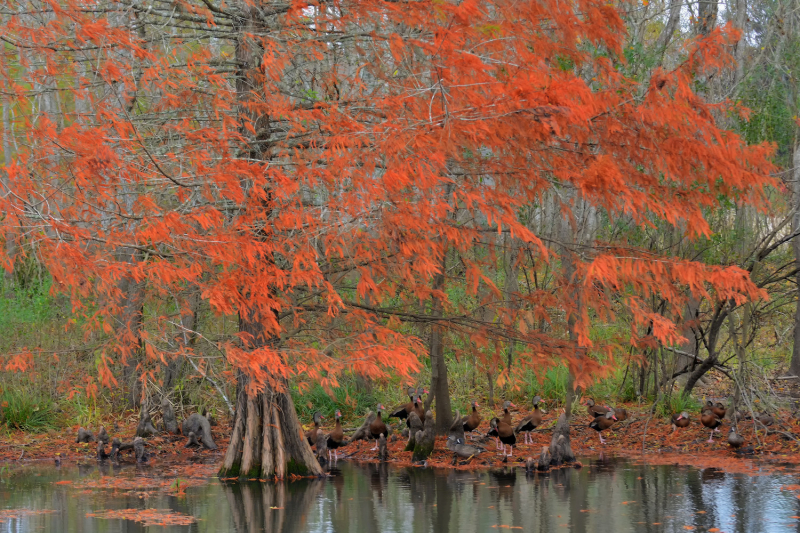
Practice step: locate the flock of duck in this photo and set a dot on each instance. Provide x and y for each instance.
(505, 433)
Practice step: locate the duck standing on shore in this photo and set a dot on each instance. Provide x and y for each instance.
(711, 421)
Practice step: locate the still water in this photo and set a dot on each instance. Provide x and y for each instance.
(605, 496)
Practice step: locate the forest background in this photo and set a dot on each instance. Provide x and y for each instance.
(542, 276)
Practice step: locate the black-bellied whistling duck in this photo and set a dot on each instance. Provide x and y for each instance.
(532, 421)
(719, 410)
(766, 419)
(505, 433)
(472, 421)
(420, 392)
(711, 421)
(708, 405)
(602, 423)
(401, 411)
(734, 439)
(311, 434)
(336, 438)
(377, 427)
(620, 413)
(506, 414)
(417, 409)
(594, 409)
(680, 420)
(506, 418)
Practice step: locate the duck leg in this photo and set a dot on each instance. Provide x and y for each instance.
(510, 451)
(711, 437)
(601, 438)
(376, 446)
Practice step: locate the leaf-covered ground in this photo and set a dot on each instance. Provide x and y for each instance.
(778, 449)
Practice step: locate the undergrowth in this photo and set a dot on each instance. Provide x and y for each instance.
(21, 410)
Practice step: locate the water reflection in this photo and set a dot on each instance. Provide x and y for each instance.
(606, 495)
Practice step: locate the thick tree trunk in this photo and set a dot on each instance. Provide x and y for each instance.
(267, 440)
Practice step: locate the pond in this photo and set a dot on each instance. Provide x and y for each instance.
(606, 495)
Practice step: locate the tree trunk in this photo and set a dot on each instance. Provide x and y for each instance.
(440, 388)
(128, 330)
(794, 367)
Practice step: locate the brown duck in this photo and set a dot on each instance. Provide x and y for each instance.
(336, 438)
(402, 411)
(505, 433)
(531, 422)
(417, 409)
(377, 427)
(311, 434)
(680, 420)
(602, 423)
(711, 421)
(594, 409)
(506, 419)
(766, 419)
(719, 410)
(472, 421)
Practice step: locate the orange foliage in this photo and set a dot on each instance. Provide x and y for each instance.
(330, 237)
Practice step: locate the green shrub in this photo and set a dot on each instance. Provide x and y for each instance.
(350, 399)
(26, 412)
(677, 403)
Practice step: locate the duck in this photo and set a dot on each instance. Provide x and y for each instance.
(377, 427)
(680, 420)
(417, 409)
(474, 419)
(505, 433)
(594, 409)
(506, 418)
(766, 419)
(531, 422)
(711, 421)
(620, 412)
(402, 411)
(719, 409)
(336, 437)
(603, 422)
(734, 439)
(708, 405)
(311, 434)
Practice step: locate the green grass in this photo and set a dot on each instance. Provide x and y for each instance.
(350, 399)
(677, 403)
(23, 411)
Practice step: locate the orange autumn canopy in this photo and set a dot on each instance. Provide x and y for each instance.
(320, 188)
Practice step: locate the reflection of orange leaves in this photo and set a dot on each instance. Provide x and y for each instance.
(65, 482)
(713, 530)
(148, 517)
(506, 527)
(9, 514)
(688, 528)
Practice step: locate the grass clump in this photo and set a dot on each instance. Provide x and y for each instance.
(20, 410)
(677, 403)
(353, 401)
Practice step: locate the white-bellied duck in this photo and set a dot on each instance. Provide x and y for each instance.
(401, 411)
(594, 409)
(311, 434)
(336, 437)
(711, 421)
(734, 439)
(531, 422)
(377, 427)
(680, 420)
(472, 421)
(505, 433)
(602, 423)
(719, 410)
